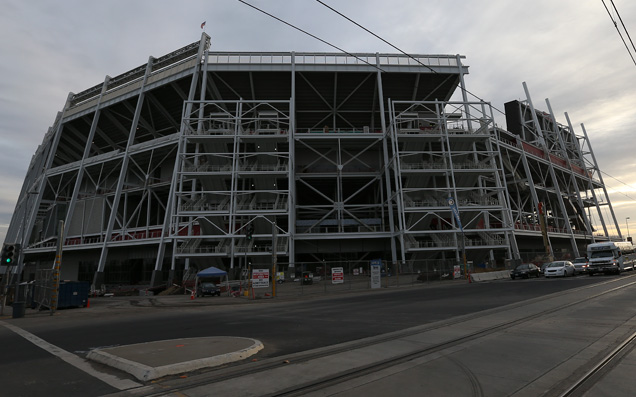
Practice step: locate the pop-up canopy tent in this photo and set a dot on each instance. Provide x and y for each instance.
(210, 272)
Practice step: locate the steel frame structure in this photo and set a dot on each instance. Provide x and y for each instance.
(219, 158)
(444, 150)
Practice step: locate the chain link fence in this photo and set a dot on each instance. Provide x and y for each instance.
(540, 257)
(340, 276)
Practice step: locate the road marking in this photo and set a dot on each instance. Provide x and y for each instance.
(77, 362)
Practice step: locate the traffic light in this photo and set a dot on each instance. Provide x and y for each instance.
(10, 254)
(249, 231)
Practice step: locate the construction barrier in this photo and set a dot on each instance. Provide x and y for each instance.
(489, 276)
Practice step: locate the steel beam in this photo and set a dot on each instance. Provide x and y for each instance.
(600, 177)
(98, 278)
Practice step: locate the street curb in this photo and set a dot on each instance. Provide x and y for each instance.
(145, 373)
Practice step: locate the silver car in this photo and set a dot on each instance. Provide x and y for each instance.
(580, 265)
(559, 269)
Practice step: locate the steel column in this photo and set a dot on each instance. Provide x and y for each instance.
(386, 167)
(291, 172)
(98, 279)
(600, 177)
(167, 222)
(555, 181)
(42, 182)
(399, 194)
(572, 179)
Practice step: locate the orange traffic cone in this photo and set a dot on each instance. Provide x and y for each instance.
(88, 302)
(192, 296)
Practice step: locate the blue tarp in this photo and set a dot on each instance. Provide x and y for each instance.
(211, 272)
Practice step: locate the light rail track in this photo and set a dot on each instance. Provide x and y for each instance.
(220, 375)
(602, 368)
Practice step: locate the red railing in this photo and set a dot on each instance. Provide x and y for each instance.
(554, 158)
(129, 236)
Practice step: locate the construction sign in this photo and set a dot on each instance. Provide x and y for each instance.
(337, 275)
(376, 273)
(260, 278)
(457, 272)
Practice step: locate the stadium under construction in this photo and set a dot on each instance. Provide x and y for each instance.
(226, 159)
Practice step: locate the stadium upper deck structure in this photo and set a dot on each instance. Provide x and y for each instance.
(220, 158)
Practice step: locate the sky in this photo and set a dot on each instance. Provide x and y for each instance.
(568, 51)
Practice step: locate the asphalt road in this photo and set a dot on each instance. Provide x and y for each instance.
(284, 327)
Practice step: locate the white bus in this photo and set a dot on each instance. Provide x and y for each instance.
(613, 257)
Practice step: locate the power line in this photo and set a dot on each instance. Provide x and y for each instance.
(618, 180)
(618, 30)
(395, 47)
(410, 56)
(624, 27)
(426, 66)
(375, 35)
(350, 54)
(310, 35)
(418, 61)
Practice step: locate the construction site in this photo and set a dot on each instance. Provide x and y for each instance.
(306, 160)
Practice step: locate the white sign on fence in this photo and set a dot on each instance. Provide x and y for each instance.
(260, 278)
(376, 273)
(337, 275)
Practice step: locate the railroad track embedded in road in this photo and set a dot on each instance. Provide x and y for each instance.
(602, 368)
(220, 375)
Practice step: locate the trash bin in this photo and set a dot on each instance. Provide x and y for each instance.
(73, 294)
(18, 309)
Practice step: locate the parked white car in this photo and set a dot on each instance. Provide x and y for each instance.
(559, 269)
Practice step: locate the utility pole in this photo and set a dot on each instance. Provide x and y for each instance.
(55, 290)
(274, 258)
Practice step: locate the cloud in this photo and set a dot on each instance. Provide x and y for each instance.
(565, 50)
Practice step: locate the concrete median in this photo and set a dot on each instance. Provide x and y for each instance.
(152, 360)
(489, 276)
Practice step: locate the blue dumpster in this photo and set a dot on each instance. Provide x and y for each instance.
(73, 294)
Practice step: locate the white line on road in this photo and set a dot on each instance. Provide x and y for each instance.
(77, 362)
